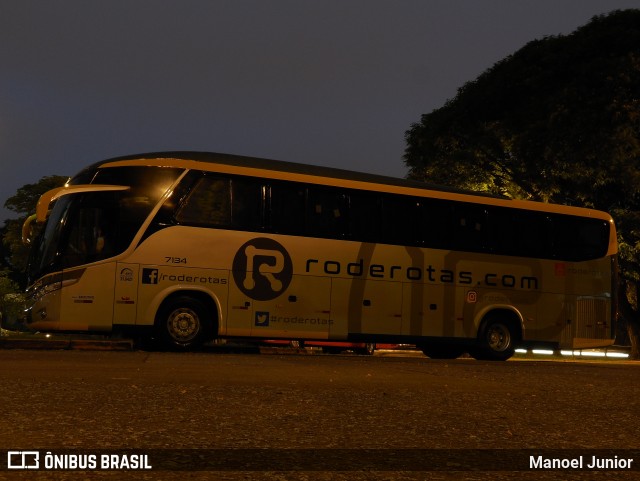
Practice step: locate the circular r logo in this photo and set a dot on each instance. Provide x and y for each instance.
(262, 269)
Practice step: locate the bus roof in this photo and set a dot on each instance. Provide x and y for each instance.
(324, 175)
(289, 167)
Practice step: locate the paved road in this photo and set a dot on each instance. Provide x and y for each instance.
(352, 406)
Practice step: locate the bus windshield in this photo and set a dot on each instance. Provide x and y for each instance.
(87, 227)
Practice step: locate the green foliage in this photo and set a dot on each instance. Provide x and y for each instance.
(25, 200)
(11, 301)
(557, 121)
(15, 253)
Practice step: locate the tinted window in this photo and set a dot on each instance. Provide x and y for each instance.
(326, 212)
(97, 228)
(399, 217)
(519, 233)
(223, 202)
(469, 227)
(547, 236)
(247, 200)
(435, 223)
(45, 255)
(576, 238)
(208, 203)
(364, 209)
(287, 212)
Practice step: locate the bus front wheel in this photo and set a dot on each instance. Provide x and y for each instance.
(181, 323)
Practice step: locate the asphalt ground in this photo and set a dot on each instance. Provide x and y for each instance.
(80, 341)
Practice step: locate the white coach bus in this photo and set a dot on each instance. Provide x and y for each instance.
(186, 247)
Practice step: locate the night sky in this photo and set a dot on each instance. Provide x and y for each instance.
(330, 82)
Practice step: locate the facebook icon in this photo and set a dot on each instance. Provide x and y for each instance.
(149, 276)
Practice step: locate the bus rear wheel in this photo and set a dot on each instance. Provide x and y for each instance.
(496, 341)
(181, 323)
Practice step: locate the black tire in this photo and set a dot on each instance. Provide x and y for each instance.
(182, 323)
(442, 351)
(368, 349)
(496, 341)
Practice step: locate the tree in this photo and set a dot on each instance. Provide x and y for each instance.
(558, 121)
(11, 301)
(15, 254)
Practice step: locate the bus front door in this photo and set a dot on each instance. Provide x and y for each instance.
(87, 298)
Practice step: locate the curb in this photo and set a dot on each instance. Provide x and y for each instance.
(66, 344)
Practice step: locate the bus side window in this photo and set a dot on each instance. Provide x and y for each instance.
(208, 203)
(400, 219)
(518, 232)
(364, 216)
(506, 231)
(326, 212)
(435, 223)
(247, 197)
(534, 235)
(593, 238)
(469, 227)
(579, 239)
(286, 210)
